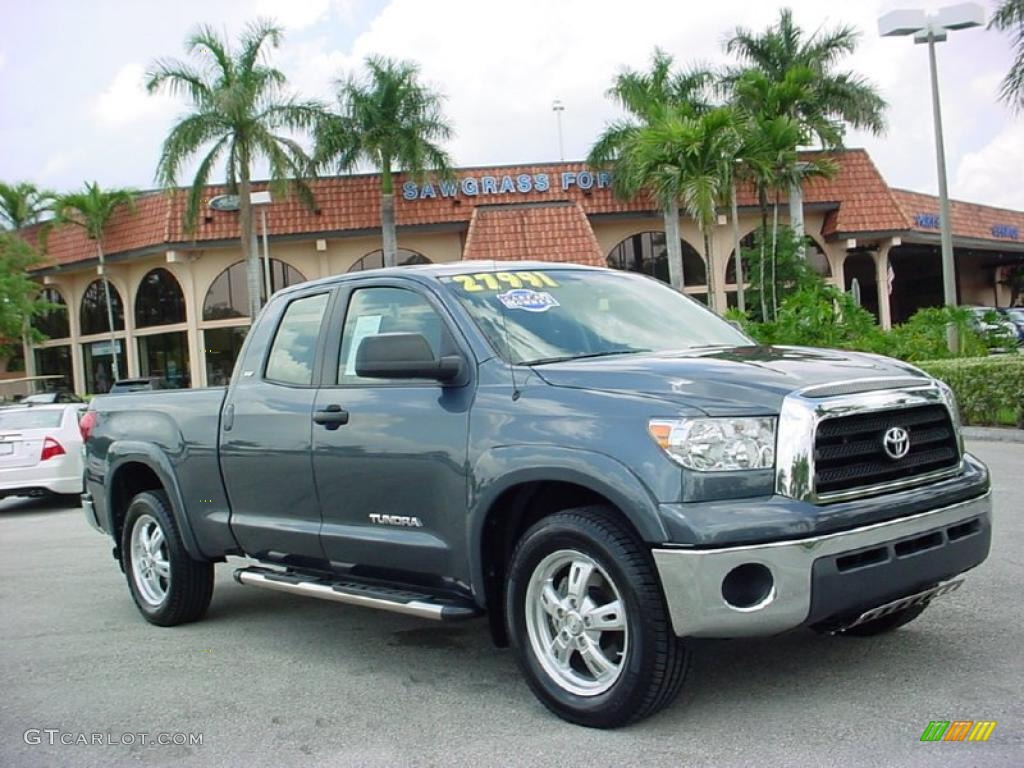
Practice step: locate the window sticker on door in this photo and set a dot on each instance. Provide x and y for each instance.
(526, 299)
(367, 325)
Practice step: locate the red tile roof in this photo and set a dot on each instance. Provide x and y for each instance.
(969, 219)
(555, 232)
(862, 200)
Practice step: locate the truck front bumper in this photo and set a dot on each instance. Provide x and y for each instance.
(822, 580)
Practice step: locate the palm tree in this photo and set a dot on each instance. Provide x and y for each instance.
(23, 204)
(240, 111)
(684, 157)
(1009, 17)
(391, 122)
(647, 97)
(800, 73)
(91, 209)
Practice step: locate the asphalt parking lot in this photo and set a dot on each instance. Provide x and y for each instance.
(273, 680)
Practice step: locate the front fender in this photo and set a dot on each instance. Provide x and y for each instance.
(124, 452)
(499, 469)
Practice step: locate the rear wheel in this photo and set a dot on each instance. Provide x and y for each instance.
(168, 586)
(588, 623)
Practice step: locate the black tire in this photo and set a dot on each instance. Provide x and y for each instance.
(886, 623)
(189, 585)
(656, 661)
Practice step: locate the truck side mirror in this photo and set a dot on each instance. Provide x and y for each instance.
(404, 356)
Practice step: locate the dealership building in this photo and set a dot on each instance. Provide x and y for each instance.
(180, 298)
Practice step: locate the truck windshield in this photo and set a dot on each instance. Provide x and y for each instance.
(537, 317)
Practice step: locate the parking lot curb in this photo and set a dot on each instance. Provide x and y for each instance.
(995, 434)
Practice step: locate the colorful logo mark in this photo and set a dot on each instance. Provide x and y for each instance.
(958, 730)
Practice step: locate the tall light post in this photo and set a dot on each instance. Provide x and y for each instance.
(558, 108)
(933, 28)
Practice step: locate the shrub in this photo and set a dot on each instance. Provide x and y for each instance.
(984, 386)
(923, 336)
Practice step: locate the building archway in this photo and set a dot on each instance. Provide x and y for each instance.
(228, 294)
(647, 253)
(375, 260)
(93, 310)
(54, 323)
(159, 300)
(860, 266)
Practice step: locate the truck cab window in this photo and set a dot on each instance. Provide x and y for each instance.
(293, 352)
(373, 311)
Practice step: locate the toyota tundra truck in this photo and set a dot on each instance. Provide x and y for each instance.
(598, 464)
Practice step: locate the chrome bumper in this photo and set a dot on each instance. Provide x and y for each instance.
(692, 579)
(90, 512)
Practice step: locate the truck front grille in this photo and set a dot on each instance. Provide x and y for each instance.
(849, 451)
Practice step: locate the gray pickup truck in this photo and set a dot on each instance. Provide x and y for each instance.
(598, 464)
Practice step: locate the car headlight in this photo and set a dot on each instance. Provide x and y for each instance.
(717, 445)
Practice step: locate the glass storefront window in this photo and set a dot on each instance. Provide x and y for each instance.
(99, 370)
(54, 324)
(228, 295)
(222, 348)
(375, 260)
(55, 361)
(94, 309)
(165, 355)
(647, 253)
(159, 300)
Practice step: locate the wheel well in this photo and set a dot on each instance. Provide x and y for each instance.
(131, 479)
(508, 518)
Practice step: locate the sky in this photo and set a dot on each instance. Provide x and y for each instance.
(72, 105)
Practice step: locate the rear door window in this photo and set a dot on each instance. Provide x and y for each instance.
(293, 353)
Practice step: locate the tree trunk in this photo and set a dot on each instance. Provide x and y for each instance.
(712, 282)
(387, 214)
(387, 224)
(796, 216)
(115, 369)
(249, 254)
(741, 301)
(775, 248)
(673, 247)
(762, 199)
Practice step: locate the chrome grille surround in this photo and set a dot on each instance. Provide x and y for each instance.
(803, 410)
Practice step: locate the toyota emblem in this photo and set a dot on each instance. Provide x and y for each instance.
(896, 443)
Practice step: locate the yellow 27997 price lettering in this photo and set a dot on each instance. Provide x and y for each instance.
(493, 281)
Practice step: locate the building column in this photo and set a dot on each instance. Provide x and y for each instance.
(131, 352)
(29, 355)
(182, 271)
(882, 283)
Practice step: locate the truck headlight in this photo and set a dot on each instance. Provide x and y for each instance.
(717, 445)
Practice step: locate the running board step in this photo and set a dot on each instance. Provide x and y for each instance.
(356, 593)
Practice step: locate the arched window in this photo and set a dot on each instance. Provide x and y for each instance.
(94, 309)
(159, 300)
(228, 295)
(375, 260)
(53, 323)
(647, 253)
(816, 258)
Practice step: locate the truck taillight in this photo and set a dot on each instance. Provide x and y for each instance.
(51, 448)
(85, 426)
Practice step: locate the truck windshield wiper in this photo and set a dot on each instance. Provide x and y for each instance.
(567, 358)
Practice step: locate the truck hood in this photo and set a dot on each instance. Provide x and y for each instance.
(724, 381)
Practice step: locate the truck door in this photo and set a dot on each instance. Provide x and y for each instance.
(266, 435)
(391, 470)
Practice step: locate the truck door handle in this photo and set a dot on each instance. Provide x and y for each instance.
(332, 416)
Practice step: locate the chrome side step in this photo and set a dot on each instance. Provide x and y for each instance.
(356, 593)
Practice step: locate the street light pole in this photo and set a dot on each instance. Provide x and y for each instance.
(946, 232)
(558, 108)
(933, 28)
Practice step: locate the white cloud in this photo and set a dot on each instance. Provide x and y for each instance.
(55, 165)
(3, 60)
(125, 101)
(992, 174)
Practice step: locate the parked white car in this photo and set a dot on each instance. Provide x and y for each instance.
(41, 450)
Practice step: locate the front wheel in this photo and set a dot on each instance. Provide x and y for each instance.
(588, 623)
(168, 586)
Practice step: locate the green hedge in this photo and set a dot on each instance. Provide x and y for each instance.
(989, 390)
